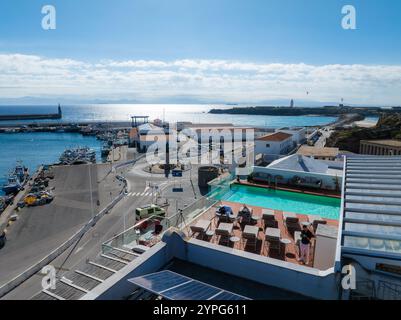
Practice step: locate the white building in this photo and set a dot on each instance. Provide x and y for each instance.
(278, 143)
(301, 171)
(298, 134)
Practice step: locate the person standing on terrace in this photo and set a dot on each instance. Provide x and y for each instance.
(306, 237)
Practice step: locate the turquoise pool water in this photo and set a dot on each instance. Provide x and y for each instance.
(326, 207)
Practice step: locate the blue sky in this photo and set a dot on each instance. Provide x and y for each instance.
(260, 32)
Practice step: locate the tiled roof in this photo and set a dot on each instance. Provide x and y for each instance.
(277, 136)
(318, 151)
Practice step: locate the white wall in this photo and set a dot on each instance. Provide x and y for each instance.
(328, 181)
(303, 280)
(272, 272)
(298, 135)
(273, 147)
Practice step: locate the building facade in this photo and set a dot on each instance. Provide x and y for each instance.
(298, 134)
(380, 147)
(278, 143)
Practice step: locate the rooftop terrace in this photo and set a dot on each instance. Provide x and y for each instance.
(281, 243)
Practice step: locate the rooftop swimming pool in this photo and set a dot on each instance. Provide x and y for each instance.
(326, 207)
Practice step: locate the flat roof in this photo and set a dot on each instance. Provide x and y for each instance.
(318, 151)
(390, 143)
(372, 206)
(235, 284)
(277, 136)
(298, 162)
(174, 286)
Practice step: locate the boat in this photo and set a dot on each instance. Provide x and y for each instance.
(12, 186)
(80, 155)
(16, 179)
(21, 172)
(105, 150)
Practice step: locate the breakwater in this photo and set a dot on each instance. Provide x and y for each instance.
(45, 116)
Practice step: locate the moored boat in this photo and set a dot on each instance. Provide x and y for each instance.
(12, 186)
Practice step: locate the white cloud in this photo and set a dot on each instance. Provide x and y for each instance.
(29, 75)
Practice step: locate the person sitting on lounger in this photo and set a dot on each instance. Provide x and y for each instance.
(306, 237)
(245, 214)
(222, 210)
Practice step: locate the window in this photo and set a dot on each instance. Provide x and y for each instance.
(388, 268)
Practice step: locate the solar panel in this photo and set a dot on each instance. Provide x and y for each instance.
(191, 291)
(225, 295)
(173, 286)
(160, 281)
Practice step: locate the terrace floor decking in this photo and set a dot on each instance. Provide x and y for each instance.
(291, 251)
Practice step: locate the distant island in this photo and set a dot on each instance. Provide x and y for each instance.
(305, 111)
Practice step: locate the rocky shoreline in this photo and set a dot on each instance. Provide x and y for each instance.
(388, 127)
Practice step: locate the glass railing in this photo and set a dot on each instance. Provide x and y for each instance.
(149, 231)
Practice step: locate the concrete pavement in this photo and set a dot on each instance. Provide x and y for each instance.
(39, 230)
(122, 215)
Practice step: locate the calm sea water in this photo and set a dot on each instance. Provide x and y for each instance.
(35, 149)
(172, 112)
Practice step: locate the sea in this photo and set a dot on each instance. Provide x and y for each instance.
(35, 149)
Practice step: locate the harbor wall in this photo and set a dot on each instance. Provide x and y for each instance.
(29, 117)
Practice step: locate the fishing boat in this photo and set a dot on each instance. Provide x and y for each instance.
(21, 172)
(106, 148)
(16, 179)
(80, 155)
(12, 186)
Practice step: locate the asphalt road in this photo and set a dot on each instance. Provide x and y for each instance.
(321, 142)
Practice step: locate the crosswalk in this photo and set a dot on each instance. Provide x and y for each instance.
(141, 194)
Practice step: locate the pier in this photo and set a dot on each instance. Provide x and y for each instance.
(13, 117)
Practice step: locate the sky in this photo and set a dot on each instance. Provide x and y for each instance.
(244, 51)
